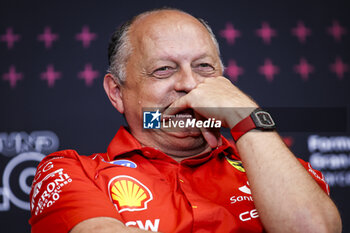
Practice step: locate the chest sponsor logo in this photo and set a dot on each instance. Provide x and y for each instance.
(124, 162)
(236, 164)
(128, 194)
(147, 225)
(249, 215)
(244, 189)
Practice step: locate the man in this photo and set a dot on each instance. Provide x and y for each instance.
(184, 180)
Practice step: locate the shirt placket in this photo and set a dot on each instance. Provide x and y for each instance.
(189, 194)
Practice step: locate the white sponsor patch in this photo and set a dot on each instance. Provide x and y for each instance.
(51, 191)
(148, 225)
(244, 189)
(249, 215)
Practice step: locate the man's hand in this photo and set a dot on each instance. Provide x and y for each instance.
(215, 98)
(285, 195)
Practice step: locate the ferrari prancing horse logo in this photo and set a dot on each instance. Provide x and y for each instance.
(236, 164)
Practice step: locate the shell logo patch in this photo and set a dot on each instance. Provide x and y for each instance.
(128, 194)
(236, 164)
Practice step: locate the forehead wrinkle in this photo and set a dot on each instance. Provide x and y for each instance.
(170, 42)
(152, 24)
(150, 31)
(173, 54)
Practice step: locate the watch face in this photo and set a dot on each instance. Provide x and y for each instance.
(263, 120)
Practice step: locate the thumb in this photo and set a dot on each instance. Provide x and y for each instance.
(210, 137)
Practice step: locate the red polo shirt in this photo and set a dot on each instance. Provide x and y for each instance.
(143, 187)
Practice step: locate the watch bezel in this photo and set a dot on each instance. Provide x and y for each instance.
(259, 124)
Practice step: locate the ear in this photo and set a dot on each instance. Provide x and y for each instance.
(113, 91)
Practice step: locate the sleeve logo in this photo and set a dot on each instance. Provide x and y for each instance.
(128, 194)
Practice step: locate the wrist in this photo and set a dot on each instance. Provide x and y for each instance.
(258, 119)
(239, 114)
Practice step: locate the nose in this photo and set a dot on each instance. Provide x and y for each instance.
(187, 80)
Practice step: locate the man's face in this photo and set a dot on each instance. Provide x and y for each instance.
(172, 54)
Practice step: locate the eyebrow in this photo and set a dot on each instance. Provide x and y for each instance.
(204, 56)
(172, 58)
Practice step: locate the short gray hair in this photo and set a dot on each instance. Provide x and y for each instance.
(120, 47)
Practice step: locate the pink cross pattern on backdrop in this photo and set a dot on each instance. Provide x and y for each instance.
(88, 74)
(230, 33)
(48, 37)
(301, 32)
(50, 75)
(233, 71)
(336, 31)
(266, 32)
(12, 76)
(10, 38)
(268, 70)
(339, 67)
(304, 69)
(86, 36)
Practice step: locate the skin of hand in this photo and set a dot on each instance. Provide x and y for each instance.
(281, 206)
(215, 98)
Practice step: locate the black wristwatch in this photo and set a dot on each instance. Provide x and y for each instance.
(258, 119)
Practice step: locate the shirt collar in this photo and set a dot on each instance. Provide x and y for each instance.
(123, 142)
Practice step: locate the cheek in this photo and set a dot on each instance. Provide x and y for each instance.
(158, 93)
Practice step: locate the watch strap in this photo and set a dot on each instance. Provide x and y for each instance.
(242, 127)
(258, 119)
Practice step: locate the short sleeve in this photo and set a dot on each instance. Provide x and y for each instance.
(317, 175)
(63, 195)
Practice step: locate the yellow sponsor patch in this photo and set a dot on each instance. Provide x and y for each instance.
(129, 194)
(236, 164)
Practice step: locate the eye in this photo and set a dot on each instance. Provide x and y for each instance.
(205, 67)
(163, 72)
